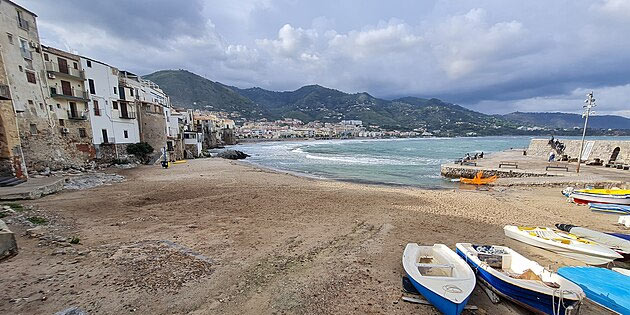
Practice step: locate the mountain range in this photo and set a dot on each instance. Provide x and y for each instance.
(314, 102)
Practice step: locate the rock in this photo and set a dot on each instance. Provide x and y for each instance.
(6, 207)
(232, 155)
(37, 231)
(72, 311)
(45, 172)
(8, 244)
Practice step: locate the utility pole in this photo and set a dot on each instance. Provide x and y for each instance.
(590, 104)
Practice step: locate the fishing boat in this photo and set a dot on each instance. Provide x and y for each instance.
(623, 271)
(603, 286)
(614, 192)
(624, 236)
(440, 276)
(586, 198)
(617, 244)
(520, 280)
(565, 244)
(612, 208)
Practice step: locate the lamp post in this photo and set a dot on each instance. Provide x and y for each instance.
(590, 104)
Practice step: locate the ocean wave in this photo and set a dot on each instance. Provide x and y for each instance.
(357, 160)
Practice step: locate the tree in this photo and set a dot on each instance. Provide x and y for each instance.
(141, 151)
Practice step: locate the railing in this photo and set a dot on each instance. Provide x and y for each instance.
(55, 91)
(26, 53)
(127, 115)
(52, 66)
(22, 23)
(5, 93)
(77, 115)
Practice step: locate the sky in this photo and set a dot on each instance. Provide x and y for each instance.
(494, 56)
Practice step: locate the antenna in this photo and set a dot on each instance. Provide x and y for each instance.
(588, 110)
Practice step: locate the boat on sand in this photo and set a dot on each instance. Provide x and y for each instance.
(620, 245)
(520, 280)
(440, 276)
(478, 179)
(565, 244)
(603, 286)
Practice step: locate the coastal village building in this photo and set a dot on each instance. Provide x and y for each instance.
(114, 123)
(39, 99)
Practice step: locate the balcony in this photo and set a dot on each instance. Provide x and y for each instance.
(127, 115)
(5, 93)
(66, 71)
(70, 94)
(77, 115)
(23, 24)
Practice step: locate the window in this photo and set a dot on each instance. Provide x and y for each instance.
(50, 107)
(75, 65)
(126, 134)
(30, 102)
(20, 68)
(24, 50)
(62, 122)
(115, 90)
(33, 129)
(104, 135)
(115, 104)
(58, 105)
(89, 63)
(91, 84)
(30, 77)
(82, 133)
(10, 36)
(46, 57)
(97, 110)
(130, 92)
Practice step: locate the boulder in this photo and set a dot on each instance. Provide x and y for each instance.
(232, 155)
(8, 245)
(72, 311)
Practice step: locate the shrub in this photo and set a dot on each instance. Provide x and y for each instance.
(141, 151)
(75, 240)
(37, 220)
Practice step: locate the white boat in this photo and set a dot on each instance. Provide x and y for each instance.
(586, 198)
(565, 244)
(521, 280)
(623, 271)
(618, 244)
(440, 276)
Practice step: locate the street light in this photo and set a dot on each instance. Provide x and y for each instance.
(590, 104)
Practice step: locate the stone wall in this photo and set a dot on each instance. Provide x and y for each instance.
(152, 127)
(602, 149)
(107, 153)
(11, 158)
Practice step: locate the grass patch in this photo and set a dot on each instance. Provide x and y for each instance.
(15, 206)
(2, 215)
(37, 220)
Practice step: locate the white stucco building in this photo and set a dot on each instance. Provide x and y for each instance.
(113, 125)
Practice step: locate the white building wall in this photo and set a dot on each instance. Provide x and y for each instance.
(105, 79)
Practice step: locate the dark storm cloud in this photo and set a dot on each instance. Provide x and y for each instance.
(489, 55)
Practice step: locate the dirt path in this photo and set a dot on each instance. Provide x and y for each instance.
(218, 237)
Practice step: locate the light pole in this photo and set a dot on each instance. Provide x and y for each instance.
(590, 103)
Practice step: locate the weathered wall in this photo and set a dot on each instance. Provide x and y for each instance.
(11, 159)
(107, 153)
(602, 149)
(152, 127)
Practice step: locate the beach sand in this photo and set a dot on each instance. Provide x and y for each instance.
(214, 236)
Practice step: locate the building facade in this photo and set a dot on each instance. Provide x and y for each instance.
(114, 122)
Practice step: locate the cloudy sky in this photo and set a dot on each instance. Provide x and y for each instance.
(493, 56)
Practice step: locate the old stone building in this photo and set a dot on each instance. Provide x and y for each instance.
(39, 105)
(11, 158)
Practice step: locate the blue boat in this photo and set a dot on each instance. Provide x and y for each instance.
(619, 235)
(612, 208)
(520, 280)
(440, 276)
(605, 287)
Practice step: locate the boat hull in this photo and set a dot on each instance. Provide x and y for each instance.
(612, 208)
(604, 287)
(581, 198)
(590, 258)
(536, 302)
(444, 305)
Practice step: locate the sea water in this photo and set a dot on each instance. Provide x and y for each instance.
(414, 162)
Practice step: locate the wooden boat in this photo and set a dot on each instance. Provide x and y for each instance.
(624, 236)
(478, 179)
(623, 271)
(619, 245)
(611, 208)
(603, 286)
(565, 244)
(586, 198)
(440, 276)
(520, 280)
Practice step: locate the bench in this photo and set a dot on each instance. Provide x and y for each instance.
(468, 163)
(556, 167)
(421, 265)
(511, 164)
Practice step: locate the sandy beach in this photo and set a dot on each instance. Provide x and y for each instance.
(213, 236)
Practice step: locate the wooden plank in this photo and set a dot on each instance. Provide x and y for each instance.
(491, 295)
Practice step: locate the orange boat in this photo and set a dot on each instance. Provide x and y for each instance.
(478, 179)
